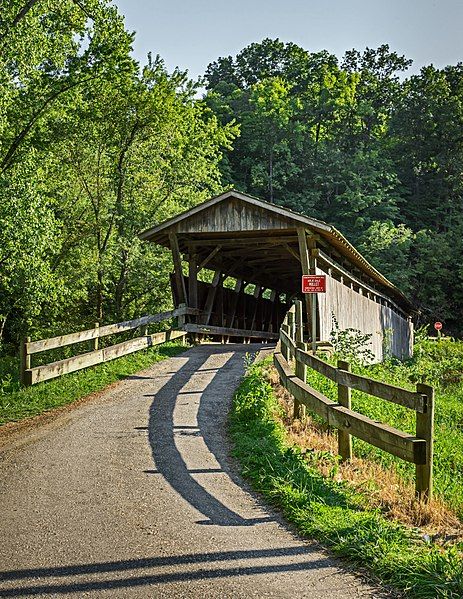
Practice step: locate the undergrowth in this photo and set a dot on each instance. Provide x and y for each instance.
(333, 511)
(439, 364)
(17, 403)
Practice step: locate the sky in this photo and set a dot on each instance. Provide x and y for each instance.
(190, 35)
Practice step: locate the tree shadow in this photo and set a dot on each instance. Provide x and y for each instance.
(212, 408)
(195, 570)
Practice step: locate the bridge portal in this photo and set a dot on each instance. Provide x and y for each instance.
(257, 253)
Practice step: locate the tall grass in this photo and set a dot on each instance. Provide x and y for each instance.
(441, 365)
(332, 511)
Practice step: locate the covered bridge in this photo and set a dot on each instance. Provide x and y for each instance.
(270, 247)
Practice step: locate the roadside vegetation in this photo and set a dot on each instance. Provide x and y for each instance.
(17, 403)
(305, 481)
(440, 364)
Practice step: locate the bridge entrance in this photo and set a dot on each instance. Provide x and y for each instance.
(257, 253)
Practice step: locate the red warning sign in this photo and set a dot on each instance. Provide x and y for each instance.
(313, 283)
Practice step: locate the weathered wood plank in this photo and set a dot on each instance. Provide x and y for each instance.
(398, 443)
(311, 398)
(216, 281)
(395, 442)
(316, 252)
(209, 257)
(55, 369)
(344, 399)
(35, 347)
(316, 364)
(178, 272)
(425, 429)
(409, 399)
(192, 281)
(213, 330)
(286, 339)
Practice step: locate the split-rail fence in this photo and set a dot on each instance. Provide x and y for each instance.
(417, 448)
(30, 375)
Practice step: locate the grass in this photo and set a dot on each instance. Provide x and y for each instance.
(17, 403)
(330, 510)
(441, 365)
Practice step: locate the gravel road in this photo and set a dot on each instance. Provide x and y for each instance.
(133, 494)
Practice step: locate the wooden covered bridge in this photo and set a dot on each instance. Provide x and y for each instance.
(258, 252)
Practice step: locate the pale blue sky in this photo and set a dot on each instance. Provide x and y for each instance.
(190, 35)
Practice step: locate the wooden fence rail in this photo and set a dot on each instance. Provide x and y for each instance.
(31, 376)
(417, 449)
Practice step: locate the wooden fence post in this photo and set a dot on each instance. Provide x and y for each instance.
(344, 399)
(301, 369)
(96, 340)
(25, 361)
(291, 329)
(425, 430)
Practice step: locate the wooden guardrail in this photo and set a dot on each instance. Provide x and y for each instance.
(30, 376)
(417, 449)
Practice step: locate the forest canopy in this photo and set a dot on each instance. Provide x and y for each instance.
(95, 147)
(356, 143)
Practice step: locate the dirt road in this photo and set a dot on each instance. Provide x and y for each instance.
(134, 495)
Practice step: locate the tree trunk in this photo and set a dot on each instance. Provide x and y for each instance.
(270, 175)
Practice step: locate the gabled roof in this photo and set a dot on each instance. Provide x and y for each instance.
(284, 212)
(195, 223)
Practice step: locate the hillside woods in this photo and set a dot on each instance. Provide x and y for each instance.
(94, 148)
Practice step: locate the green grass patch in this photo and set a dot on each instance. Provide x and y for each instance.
(332, 511)
(441, 365)
(17, 403)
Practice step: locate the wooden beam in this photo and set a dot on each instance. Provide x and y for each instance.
(213, 330)
(209, 257)
(34, 347)
(216, 281)
(179, 279)
(293, 253)
(243, 241)
(55, 369)
(396, 442)
(257, 295)
(193, 281)
(234, 302)
(425, 430)
(305, 266)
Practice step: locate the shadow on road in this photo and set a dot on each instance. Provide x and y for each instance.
(189, 574)
(162, 431)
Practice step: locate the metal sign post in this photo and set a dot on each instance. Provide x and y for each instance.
(438, 327)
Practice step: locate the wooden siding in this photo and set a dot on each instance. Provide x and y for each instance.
(391, 332)
(233, 216)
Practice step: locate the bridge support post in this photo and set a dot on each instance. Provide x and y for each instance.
(309, 267)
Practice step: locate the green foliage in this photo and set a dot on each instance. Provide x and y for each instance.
(350, 344)
(92, 150)
(351, 143)
(331, 511)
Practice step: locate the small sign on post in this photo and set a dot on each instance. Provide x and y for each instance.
(438, 327)
(313, 283)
